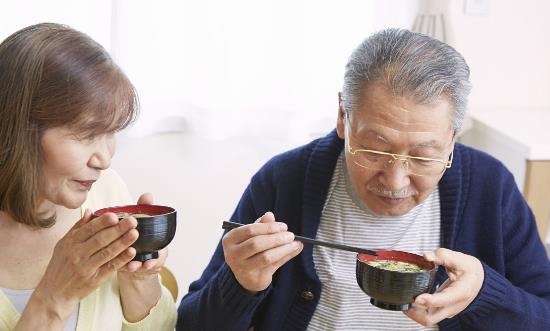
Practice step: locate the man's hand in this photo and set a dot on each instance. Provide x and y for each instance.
(455, 294)
(255, 251)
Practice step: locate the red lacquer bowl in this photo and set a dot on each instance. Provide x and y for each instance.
(156, 227)
(393, 290)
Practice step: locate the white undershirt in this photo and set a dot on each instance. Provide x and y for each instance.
(20, 298)
(346, 219)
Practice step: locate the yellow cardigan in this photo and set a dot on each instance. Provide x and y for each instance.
(101, 310)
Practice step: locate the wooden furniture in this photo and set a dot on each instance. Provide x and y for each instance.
(521, 140)
(169, 281)
(537, 192)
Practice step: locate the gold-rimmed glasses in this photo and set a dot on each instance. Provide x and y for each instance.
(377, 160)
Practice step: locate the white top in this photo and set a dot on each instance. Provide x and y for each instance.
(530, 128)
(20, 298)
(346, 219)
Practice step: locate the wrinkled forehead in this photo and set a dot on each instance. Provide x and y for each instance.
(402, 120)
(378, 106)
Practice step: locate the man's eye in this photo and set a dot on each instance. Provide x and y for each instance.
(424, 162)
(375, 147)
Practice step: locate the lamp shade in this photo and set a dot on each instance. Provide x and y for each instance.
(433, 19)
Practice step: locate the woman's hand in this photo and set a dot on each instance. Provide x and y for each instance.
(83, 259)
(137, 270)
(139, 282)
(143, 270)
(255, 251)
(466, 277)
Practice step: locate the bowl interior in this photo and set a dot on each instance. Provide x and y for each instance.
(150, 210)
(397, 256)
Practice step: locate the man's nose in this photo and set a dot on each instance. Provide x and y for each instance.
(395, 176)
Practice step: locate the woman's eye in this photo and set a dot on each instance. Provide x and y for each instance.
(84, 139)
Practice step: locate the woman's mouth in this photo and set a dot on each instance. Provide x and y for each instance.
(85, 184)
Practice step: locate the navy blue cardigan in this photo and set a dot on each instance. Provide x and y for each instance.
(482, 214)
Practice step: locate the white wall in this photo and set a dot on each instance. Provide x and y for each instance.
(508, 51)
(90, 16)
(215, 62)
(209, 49)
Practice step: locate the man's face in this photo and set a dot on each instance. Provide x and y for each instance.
(396, 124)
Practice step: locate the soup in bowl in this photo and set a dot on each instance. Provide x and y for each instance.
(393, 279)
(156, 227)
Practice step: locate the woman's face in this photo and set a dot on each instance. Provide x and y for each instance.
(72, 165)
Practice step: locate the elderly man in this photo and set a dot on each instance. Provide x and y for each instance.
(390, 176)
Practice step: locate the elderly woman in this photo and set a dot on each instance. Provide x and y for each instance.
(62, 98)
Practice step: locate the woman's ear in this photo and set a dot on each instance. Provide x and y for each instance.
(340, 120)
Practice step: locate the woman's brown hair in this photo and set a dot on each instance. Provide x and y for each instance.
(52, 76)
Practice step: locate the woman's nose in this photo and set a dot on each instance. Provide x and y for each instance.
(104, 149)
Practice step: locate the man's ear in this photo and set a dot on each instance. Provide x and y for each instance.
(340, 120)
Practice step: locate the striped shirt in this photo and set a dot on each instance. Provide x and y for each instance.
(346, 219)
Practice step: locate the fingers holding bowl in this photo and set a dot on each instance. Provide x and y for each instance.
(156, 226)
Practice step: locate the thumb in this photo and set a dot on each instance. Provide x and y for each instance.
(447, 258)
(85, 218)
(268, 217)
(146, 199)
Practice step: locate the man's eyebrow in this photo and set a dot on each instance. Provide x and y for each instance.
(430, 143)
(425, 144)
(378, 136)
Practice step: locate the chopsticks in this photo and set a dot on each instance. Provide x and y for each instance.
(305, 240)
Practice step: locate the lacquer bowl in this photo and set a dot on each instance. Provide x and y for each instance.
(393, 290)
(156, 227)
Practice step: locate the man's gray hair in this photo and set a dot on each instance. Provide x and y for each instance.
(408, 63)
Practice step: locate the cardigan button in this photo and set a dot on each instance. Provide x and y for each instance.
(307, 295)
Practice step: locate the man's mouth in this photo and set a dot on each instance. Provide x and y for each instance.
(391, 201)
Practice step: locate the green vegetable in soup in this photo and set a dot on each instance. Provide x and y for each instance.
(396, 266)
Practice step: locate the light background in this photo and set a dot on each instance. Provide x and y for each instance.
(226, 85)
